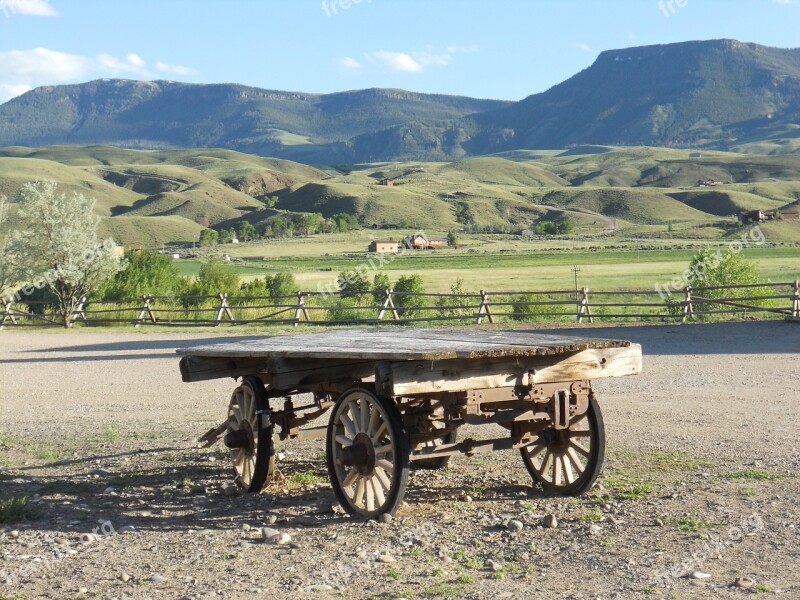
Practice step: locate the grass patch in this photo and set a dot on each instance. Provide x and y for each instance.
(304, 478)
(589, 515)
(624, 489)
(393, 572)
(754, 475)
(465, 579)
(689, 524)
(14, 510)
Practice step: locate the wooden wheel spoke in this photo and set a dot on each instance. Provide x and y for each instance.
(344, 440)
(370, 493)
(380, 433)
(378, 487)
(350, 478)
(383, 478)
(566, 467)
(374, 415)
(361, 489)
(578, 448)
(545, 463)
(573, 458)
(534, 451)
(385, 449)
(348, 424)
(579, 433)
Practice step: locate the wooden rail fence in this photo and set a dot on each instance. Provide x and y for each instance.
(320, 308)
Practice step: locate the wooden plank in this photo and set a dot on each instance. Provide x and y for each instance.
(204, 368)
(421, 377)
(291, 373)
(399, 344)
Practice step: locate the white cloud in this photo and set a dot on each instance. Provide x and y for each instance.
(407, 62)
(22, 70)
(131, 63)
(34, 8)
(398, 61)
(585, 47)
(12, 91)
(788, 2)
(350, 64)
(174, 69)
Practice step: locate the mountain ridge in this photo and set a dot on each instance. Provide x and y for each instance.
(716, 94)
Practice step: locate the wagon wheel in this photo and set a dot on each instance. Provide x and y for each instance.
(367, 450)
(249, 435)
(441, 461)
(567, 461)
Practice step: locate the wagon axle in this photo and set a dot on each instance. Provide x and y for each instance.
(361, 454)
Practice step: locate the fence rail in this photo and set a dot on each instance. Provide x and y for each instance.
(320, 308)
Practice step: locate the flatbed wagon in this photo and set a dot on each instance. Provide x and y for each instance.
(397, 398)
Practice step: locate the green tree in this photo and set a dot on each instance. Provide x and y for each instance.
(280, 285)
(226, 236)
(380, 283)
(452, 239)
(215, 278)
(246, 231)
(9, 261)
(208, 237)
(459, 304)
(353, 284)
(409, 306)
(710, 268)
(58, 245)
(147, 272)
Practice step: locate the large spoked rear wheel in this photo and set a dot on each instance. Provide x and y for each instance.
(249, 435)
(567, 461)
(368, 454)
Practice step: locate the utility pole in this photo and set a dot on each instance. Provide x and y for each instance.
(576, 270)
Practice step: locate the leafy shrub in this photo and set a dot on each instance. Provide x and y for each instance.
(409, 307)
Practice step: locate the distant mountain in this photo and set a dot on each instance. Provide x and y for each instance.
(164, 114)
(720, 94)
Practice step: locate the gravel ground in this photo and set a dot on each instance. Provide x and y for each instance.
(698, 497)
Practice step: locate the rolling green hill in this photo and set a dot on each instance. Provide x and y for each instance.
(157, 197)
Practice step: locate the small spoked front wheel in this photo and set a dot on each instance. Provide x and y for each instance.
(567, 461)
(249, 435)
(368, 453)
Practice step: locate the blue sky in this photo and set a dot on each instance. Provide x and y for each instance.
(505, 49)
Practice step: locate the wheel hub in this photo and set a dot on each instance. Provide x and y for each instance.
(360, 454)
(241, 439)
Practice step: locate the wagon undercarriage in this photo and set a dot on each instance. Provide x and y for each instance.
(391, 409)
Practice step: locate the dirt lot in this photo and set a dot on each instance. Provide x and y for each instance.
(698, 498)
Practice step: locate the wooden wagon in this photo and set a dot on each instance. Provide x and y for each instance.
(399, 396)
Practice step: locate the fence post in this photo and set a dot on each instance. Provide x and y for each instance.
(7, 314)
(300, 310)
(796, 300)
(583, 308)
(146, 309)
(688, 310)
(223, 308)
(79, 313)
(388, 304)
(484, 308)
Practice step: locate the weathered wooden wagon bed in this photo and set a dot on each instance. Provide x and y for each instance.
(398, 397)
